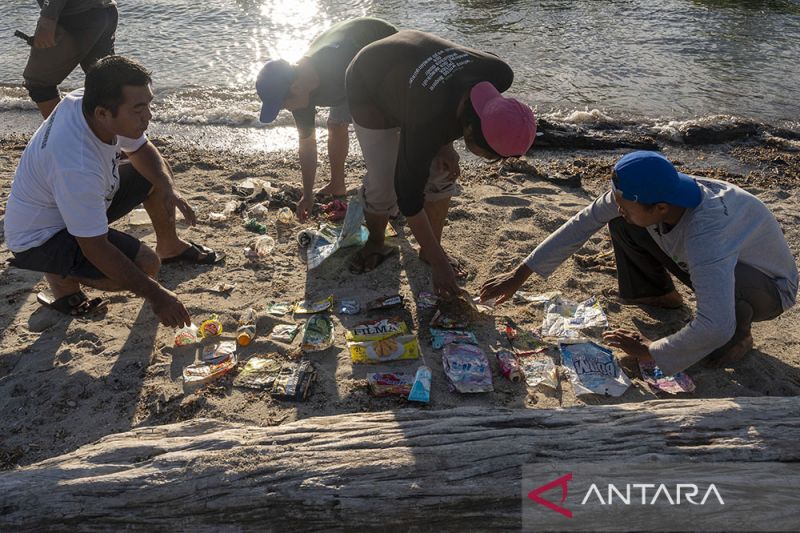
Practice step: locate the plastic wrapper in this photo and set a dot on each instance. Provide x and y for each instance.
(657, 380)
(385, 302)
(539, 370)
(285, 332)
(565, 319)
(255, 226)
(278, 308)
(509, 365)
(259, 372)
(421, 389)
(308, 308)
(317, 334)
(200, 373)
(529, 297)
(426, 300)
(347, 306)
(593, 369)
(187, 335)
(389, 384)
(454, 313)
(388, 348)
(294, 382)
(211, 327)
(467, 368)
(377, 329)
(441, 337)
(218, 352)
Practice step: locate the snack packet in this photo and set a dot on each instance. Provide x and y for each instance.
(441, 337)
(259, 372)
(388, 348)
(593, 369)
(317, 334)
(467, 368)
(285, 332)
(389, 384)
(294, 382)
(309, 308)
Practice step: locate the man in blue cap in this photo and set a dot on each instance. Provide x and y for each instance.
(318, 79)
(719, 240)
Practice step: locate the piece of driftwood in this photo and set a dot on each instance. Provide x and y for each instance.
(411, 468)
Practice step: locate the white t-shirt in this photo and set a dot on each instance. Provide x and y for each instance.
(66, 178)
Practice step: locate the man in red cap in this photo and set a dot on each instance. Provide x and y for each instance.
(411, 95)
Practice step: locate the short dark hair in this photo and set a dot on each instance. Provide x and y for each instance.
(105, 80)
(470, 118)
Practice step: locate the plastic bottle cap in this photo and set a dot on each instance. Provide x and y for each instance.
(244, 339)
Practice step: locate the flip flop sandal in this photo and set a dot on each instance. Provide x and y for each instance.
(359, 263)
(76, 304)
(196, 254)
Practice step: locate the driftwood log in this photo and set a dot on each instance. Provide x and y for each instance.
(415, 469)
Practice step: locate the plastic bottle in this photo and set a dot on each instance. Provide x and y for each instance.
(264, 246)
(285, 215)
(247, 327)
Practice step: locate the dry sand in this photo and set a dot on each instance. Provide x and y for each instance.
(78, 380)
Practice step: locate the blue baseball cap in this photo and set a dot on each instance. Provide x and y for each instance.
(650, 178)
(272, 85)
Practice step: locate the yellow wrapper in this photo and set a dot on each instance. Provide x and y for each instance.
(377, 329)
(391, 348)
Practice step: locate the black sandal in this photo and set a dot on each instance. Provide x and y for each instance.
(196, 254)
(76, 304)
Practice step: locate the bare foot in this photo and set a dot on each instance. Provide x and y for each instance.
(332, 190)
(671, 300)
(173, 250)
(733, 354)
(370, 257)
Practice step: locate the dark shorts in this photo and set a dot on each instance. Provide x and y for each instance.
(81, 39)
(62, 255)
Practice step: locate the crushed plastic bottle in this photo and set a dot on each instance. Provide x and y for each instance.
(285, 215)
(227, 212)
(247, 327)
(264, 246)
(258, 211)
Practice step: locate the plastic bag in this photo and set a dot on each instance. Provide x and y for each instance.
(539, 370)
(565, 319)
(467, 368)
(593, 369)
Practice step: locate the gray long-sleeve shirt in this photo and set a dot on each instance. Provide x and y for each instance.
(729, 226)
(53, 9)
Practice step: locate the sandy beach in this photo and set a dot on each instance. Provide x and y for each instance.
(65, 383)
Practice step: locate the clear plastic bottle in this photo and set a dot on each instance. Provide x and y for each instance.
(264, 246)
(285, 215)
(247, 327)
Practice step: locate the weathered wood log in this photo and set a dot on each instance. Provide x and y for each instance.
(416, 469)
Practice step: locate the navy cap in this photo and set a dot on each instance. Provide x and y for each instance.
(272, 85)
(650, 178)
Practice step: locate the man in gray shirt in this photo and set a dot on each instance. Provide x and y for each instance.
(718, 239)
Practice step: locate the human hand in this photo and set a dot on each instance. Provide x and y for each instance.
(45, 35)
(503, 286)
(629, 341)
(304, 207)
(447, 160)
(169, 310)
(444, 280)
(172, 199)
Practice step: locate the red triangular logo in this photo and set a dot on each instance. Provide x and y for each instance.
(562, 482)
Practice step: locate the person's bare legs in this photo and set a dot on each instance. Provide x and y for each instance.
(146, 259)
(46, 107)
(338, 148)
(168, 244)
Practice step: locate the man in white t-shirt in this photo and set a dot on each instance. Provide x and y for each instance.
(71, 183)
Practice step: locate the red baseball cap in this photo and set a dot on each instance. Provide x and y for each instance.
(508, 125)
